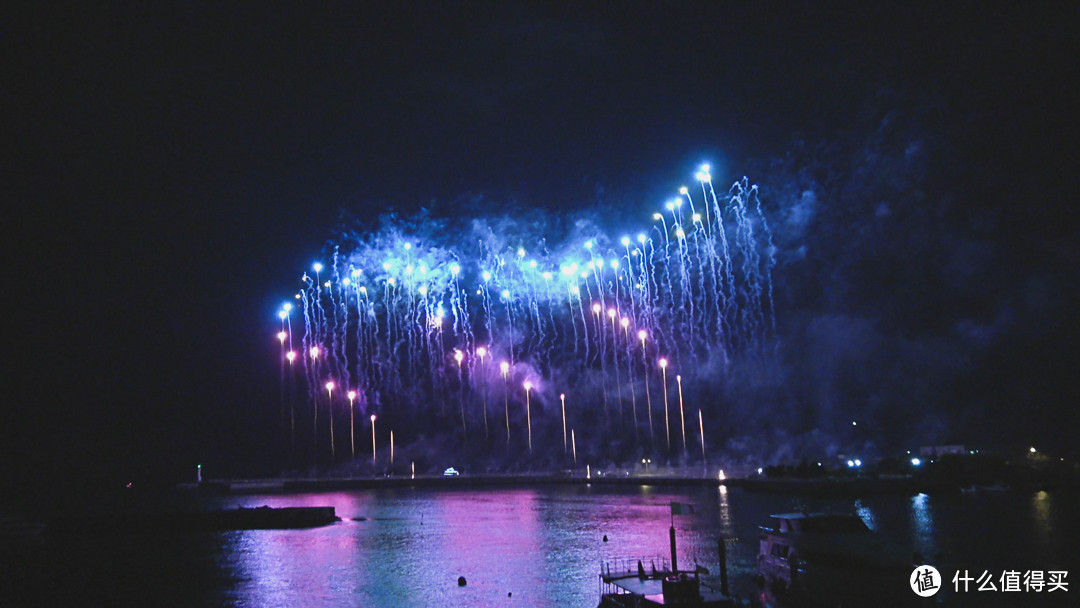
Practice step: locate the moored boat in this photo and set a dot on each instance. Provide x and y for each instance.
(827, 559)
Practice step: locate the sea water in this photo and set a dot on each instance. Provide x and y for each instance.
(519, 546)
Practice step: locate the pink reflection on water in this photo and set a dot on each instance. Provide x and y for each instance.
(492, 539)
(300, 567)
(408, 547)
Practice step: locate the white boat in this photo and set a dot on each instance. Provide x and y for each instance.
(825, 559)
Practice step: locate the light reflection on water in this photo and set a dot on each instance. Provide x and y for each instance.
(922, 525)
(407, 547)
(545, 545)
(1042, 507)
(866, 514)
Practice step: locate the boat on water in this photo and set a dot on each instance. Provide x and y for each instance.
(828, 559)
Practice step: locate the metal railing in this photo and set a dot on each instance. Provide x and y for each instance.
(628, 566)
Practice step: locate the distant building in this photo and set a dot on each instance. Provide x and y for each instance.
(933, 451)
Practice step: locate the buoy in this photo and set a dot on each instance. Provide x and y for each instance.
(605, 538)
(511, 594)
(461, 581)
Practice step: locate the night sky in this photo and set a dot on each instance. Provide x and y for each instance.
(170, 172)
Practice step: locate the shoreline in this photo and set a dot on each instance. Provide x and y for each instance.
(841, 487)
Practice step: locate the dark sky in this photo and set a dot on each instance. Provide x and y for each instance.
(171, 170)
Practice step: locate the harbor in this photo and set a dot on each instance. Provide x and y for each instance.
(527, 545)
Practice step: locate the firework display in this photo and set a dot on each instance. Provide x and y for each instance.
(423, 325)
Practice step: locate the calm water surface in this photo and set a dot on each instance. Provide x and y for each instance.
(407, 547)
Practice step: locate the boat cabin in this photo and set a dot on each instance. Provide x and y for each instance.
(827, 557)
